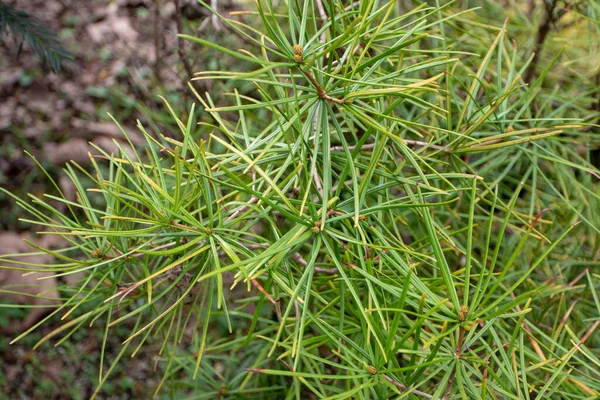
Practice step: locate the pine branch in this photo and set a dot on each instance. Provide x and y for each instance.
(25, 28)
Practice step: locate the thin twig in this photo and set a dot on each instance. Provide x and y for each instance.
(565, 317)
(327, 271)
(417, 143)
(297, 257)
(157, 39)
(458, 351)
(181, 42)
(577, 278)
(369, 146)
(536, 347)
(403, 388)
(449, 387)
(214, 19)
(543, 30)
(184, 227)
(323, 16)
(351, 6)
(461, 338)
(318, 181)
(322, 93)
(242, 209)
(262, 290)
(409, 142)
(288, 366)
(589, 333)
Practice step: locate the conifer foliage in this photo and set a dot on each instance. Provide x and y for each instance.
(404, 215)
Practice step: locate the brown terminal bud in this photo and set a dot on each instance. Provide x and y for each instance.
(208, 231)
(298, 50)
(462, 314)
(96, 253)
(372, 370)
(316, 227)
(298, 58)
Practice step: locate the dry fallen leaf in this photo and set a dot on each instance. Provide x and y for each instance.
(113, 27)
(75, 149)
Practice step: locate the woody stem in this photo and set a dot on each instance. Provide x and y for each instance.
(320, 91)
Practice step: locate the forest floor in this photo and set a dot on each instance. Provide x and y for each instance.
(126, 56)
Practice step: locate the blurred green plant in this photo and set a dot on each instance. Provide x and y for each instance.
(406, 216)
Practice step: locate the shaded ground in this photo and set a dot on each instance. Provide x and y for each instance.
(126, 56)
(116, 69)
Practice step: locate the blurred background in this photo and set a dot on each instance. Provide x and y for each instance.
(126, 55)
